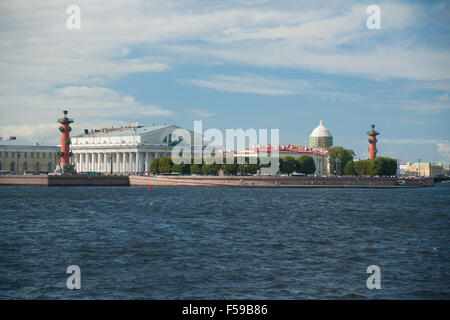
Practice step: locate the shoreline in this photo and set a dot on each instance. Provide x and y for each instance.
(217, 181)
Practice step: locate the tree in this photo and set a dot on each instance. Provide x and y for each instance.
(154, 166)
(339, 157)
(181, 168)
(362, 167)
(305, 164)
(288, 164)
(196, 168)
(165, 165)
(380, 166)
(230, 169)
(350, 168)
(212, 168)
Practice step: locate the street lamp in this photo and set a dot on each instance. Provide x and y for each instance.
(420, 174)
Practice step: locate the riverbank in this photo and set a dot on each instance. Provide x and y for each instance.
(217, 181)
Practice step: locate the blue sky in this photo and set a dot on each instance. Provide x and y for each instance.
(233, 64)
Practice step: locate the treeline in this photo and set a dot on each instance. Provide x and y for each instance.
(380, 166)
(303, 164)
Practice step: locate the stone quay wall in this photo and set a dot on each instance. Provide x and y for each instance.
(216, 181)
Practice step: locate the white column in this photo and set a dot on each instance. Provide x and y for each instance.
(137, 162)
(130, 162)
(117, 169)
(91, 167)
(147, 164)
(124, 162)
(105, 162)
(81, 163)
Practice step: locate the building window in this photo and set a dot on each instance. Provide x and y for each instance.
(12, 154)
(11, 166)
(37, 167)
(6, 154)
(25, 166)
(18, 154)
(0, 166)
(25, 154)
(49, 166)
(37, 155)
(31, 154)
(43, 155)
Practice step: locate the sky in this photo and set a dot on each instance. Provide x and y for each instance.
(232, 64)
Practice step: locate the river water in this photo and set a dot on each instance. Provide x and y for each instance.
(224, 243)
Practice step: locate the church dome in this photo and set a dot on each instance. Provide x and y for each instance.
(320, 137)
(320, 131)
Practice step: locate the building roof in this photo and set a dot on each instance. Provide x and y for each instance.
(424, 164)
(129, 130)
(320, 131)
(282, 148)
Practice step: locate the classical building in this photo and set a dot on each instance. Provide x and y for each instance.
(320, 156)
(320, 138)
(125, 150)
(423, 169)
(28, 158)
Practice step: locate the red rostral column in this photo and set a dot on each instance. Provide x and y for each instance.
(65, 153)
(373, 142)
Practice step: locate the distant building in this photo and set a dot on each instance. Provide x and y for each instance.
(32, 158)
(128, 149)
(320, 156)
(423, 169)
(320, 137)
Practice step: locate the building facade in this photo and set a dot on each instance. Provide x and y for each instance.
(320, 156)
(36, 158)
(422, 169)
(126, 150)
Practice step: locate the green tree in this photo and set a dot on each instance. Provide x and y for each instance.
(305, 164)
(230, 169)
(165, 165)
(362, 167)
(350, 168)
(339, 157)
(380, 166)
(212, 168)
(288, 164)
(196, 168)
(181, 168)
(154, 166)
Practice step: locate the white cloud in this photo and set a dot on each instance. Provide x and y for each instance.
(411, 141)
(91, 107)
(249, 83)
(44, 66)
(437, 104)
(259, 84)
(444, 149)
(201, 113)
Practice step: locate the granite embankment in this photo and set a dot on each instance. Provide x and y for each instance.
(216, 181)
(278, 182)
(62, 180)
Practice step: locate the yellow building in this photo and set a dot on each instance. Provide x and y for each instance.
(19, 159)
(423, 169)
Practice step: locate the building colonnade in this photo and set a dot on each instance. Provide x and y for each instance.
(116, 162)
